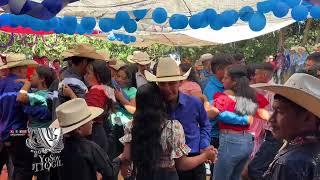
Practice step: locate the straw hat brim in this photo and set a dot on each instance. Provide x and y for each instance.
(152, 78)
(19, 64)
(298, 96)
(95, 112)
(91, 55)
(144, 61)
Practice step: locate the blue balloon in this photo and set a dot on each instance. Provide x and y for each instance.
(70, 31)
(281, 9)
(292, 3)
(111, 37)
(24, 20)
(88, 23)
(216, 24)
(37, 24)
(229, 17)
(106, 24)
(80, 30)
(50, 24)
(210, 15)
(126, 39)
(59, 29)
(119, 37)
(122, 17)
(203, 21)
(245, 13)
(299, 13)
(140, 14)
(15, 20)
(133, 39)
(264, 7)
(195, 21)
(131, 26)
(159, 15)
(4, 20)
(315, 12)
(69, 23)
(257, 22)
(116, 25)
(178, 21)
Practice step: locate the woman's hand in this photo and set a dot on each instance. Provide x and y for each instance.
(119, 95)
(67, 91)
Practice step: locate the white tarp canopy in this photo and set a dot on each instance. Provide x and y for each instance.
(149, 32)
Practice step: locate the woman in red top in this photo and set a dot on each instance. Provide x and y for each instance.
(235, 143)
(98, 78)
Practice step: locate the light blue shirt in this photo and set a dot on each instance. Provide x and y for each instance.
(214, 86)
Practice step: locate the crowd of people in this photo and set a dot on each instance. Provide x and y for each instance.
(165, 122)
(287, 62)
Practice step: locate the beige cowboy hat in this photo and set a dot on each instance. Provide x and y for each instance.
(300, 88)
(16, 60)
(83, 50)
(139, 57)
(293, 48)
(205, 57)
(119, 64)
(73, 114)
(167, 71)
(105, 54)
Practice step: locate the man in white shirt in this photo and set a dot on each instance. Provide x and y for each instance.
(142, 59)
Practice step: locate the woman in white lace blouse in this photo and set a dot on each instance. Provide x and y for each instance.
(155, 145)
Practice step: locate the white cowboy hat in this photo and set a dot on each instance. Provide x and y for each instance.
(16, 60)
(83, 50)
(73, 114)
(300, 88)
(119, 64)
(104, 54)
(139, 57)
(167, 71)
(205, 57)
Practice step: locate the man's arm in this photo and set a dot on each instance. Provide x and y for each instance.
(233, 118)
(205, 127)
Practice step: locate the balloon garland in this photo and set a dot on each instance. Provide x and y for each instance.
(255, 17)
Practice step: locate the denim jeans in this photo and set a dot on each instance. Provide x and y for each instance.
(233, 153)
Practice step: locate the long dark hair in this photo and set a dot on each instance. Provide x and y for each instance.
(103, 75)
(130, 75)
(192, 76)
(238, 73)
(47, 74)
(102, 72)
(148, 121)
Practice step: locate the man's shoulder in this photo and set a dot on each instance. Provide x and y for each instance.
(190, 100)
(302, 155)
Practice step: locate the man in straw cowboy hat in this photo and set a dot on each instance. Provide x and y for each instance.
(12, 117)
(187, 109)
(142, 59)
(82, 158)
(205, 61)
(79, 57)
(296, 119)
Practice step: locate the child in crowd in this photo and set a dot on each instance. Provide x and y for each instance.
(36, 98)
